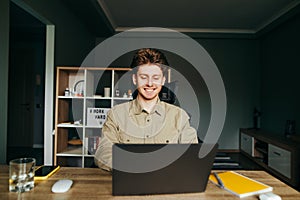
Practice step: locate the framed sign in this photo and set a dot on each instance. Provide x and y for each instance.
(96, 116)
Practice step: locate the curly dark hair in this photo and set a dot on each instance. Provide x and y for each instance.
(149, 56)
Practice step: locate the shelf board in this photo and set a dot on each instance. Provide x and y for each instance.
(96, 97)
(70, 97)
(123, 98)
(65, 125)
(94, 126)
(88, 155)
(109, 98)
(71, 151)
(261, 162)
(99, 97)
(261, 150)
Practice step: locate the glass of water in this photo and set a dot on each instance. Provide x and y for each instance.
(21, 174)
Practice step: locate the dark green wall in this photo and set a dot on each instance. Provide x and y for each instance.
(238, 63)
(73, 41)
(4, 38)
(280, 54)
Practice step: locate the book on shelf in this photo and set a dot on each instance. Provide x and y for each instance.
(91, 144)
(240, 185)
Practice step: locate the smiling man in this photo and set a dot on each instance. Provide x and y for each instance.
(146, 119)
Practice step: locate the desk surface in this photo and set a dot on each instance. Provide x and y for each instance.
(93, 183)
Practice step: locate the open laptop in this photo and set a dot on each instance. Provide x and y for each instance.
(160, 168)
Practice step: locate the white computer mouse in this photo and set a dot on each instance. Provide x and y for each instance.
(61, 186)
(269, 196)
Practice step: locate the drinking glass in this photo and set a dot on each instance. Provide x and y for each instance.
(21, 174)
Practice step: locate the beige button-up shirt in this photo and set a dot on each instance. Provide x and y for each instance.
(130, 123)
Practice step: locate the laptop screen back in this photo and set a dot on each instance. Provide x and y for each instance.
(160, 168)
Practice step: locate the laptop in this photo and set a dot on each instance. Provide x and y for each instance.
(141, 169)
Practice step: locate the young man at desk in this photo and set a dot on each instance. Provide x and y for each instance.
(146, 119)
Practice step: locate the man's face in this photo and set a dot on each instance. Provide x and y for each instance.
(149, 80)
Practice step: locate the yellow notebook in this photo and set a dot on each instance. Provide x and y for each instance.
(240, 185)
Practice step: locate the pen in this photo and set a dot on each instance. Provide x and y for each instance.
(220, 182)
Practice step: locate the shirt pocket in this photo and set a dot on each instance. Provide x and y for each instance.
(169, 136)
(128, 139)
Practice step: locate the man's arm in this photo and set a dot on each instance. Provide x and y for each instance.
(188, 133)
(103, 155)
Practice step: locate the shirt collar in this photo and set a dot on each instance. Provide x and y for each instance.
(136, 108)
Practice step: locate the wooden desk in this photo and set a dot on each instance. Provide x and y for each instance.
(92, 183)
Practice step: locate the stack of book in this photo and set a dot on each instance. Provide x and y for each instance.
(91, 144)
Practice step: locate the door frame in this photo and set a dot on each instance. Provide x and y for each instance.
(49, 96)
(49, 81)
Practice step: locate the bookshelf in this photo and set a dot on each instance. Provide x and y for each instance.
(81, 107)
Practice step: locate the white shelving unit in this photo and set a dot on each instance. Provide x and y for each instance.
(71, 148)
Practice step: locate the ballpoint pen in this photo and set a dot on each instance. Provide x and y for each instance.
(220, 182)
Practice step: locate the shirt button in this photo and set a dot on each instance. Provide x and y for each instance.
(167, 141)
(147, 136)
(128, 140)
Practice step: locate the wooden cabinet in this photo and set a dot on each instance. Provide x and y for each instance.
(277, 154)
(81, 107)
(280, 160)
(247, 143)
